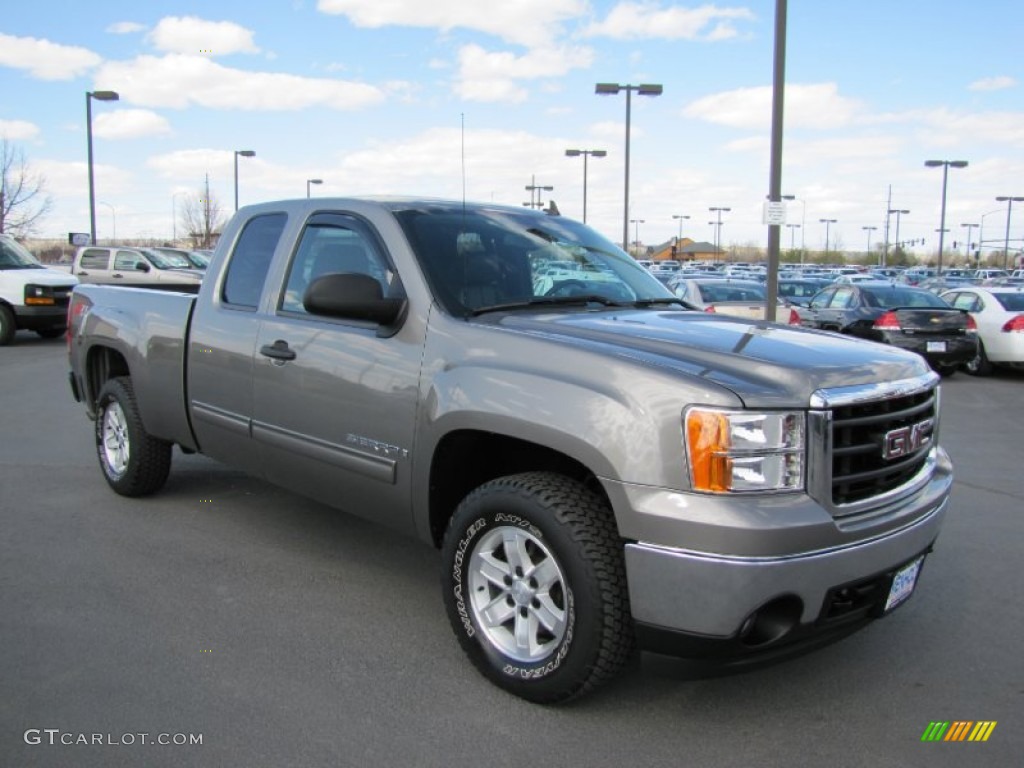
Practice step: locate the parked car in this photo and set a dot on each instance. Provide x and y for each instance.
(139, 267)
(945, 282)
(736, 298)
(32, 297)
(893, 313)
(800, 290)
(195, 259)
(989, 274)
(915, 275)
(998, 313)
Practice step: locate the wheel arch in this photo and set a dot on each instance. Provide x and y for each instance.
(465, 459)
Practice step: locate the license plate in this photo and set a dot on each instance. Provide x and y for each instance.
(903, 583)
(936, 346)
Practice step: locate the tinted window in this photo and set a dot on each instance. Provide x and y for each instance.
(1013, 302)
(333, 244)
(127, 260)
(247, 270)
(95, 258)
(891, 297)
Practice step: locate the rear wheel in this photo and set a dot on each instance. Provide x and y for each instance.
(535, 587)
(7, 327)
(134, 462)
(980, 365)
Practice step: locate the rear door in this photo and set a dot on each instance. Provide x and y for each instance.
(335, 400)
(222, 344)
(94, 265)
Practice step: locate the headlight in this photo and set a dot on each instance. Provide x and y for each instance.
(38, 294)
(736, 451)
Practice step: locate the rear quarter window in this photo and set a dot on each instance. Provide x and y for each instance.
(1012, 302)
(94, 259)
(250, 260)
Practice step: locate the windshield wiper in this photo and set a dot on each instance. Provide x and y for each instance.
(661, 300)
(551, 300)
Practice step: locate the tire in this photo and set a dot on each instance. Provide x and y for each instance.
(980, 365)
(51, 333)
(7, 327)
(535, 587)
(134, 462)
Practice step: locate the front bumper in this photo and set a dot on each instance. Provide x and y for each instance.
(701, 603)
(41, 318)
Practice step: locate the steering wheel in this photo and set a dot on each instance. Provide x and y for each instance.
(567, 288)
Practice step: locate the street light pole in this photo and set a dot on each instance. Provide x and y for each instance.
(636, 229)
(535, 189)
(586, 153)
(827, 222)
(792, 237)
(946, 164)
(869, 230)
(1009, 207)
(967, 245)
(648, 89)
(312, 181)
(899, 212)
(718, 227)
(680, 217)
(89, 96)
(243, 153)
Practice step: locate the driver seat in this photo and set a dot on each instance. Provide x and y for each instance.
(482, 286)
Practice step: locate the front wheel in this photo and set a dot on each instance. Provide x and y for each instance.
(535, 587)
(134, 462)
(7, 326)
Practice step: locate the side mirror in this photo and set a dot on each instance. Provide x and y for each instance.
(353, 297)
(142, 266)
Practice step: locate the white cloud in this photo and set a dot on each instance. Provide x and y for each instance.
(188, 34)
(806, 106)
(525, 22)
(46, 60)
(993, 83)
(491, 76)
(636, 21)
(18, 130)
(125, 28)
(129, 124)
(176, 81)
(194, 163)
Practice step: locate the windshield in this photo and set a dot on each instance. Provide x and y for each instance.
(482, 258)
(164, 260)
(13, 255)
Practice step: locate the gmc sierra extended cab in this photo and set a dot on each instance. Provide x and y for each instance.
(601, 467)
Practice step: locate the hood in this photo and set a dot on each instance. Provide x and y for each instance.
(41, 276)
(765, 364)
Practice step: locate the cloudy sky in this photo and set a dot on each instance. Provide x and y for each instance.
(387, 96)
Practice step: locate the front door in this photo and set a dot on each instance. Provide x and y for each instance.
(334, 401)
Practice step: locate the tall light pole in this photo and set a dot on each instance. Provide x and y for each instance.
(869, 230)
(312, 181)
(899, 212)
(792, 238)
(1009, 207)
(89, 96)
(586, 153)
(967, 245)
(642, 90)
(637, 223)
(243, 153)
(680, 218)
(827, 222)
(946, 165)
(803, 221)
(535, 189)
(717, 210)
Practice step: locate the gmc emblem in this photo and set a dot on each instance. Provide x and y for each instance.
(906, 440)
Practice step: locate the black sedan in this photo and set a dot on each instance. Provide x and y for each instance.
(897, 314)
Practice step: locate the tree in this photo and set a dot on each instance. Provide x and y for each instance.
(203, 218)
(23, 198)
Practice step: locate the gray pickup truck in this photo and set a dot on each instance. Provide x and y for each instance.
(601, 467)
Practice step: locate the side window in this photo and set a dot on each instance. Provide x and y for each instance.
(821, 300)
(332, 244)
(127, 260)
(842, 298)
(250, 261)
(95, 258)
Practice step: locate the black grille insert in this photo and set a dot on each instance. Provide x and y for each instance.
(880, 445)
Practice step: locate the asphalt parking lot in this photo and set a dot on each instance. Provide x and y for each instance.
(284, 633)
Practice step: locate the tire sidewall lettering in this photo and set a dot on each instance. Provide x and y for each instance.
(457, 573)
